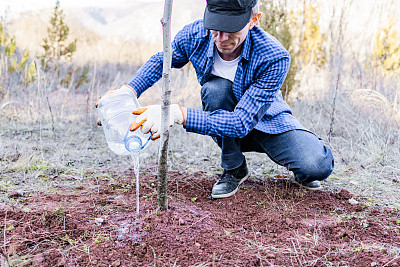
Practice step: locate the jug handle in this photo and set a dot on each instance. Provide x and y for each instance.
(151, 134)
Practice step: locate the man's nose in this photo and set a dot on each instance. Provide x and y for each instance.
(222, 36)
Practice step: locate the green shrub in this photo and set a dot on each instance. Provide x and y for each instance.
(386, 54)
(14, 64)
(82, 77)
(57, 51)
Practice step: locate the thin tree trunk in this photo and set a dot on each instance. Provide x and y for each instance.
(162, 194)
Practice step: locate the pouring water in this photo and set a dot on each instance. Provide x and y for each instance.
(115, 114)
(136, 165)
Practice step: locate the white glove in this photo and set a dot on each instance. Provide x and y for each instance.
(150, 119)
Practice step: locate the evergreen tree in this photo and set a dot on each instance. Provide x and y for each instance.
(55, 44)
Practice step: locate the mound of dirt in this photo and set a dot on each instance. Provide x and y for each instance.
(265, 223)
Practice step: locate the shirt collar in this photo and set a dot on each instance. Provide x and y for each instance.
(246, 47)
(210, 52)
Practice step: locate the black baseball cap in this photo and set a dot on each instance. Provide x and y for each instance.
(227, 15)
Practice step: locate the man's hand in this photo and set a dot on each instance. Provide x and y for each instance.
(110, 92)
(150, 119)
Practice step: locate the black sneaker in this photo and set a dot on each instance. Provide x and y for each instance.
(230, 181)
(313, 186)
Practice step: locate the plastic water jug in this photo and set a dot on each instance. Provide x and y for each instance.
(115, 113)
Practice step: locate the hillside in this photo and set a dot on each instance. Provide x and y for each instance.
(114, 34)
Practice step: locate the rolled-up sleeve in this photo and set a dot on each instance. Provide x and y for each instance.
(248, 112)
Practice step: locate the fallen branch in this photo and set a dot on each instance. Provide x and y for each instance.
(387, 264)
(195, 223)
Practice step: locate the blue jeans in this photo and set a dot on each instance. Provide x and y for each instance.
(300, 151)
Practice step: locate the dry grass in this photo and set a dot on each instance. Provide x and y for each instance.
(374, 101)
(43, 123)
(365, 137)
(46, 132)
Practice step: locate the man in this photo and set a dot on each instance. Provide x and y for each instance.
(241, 69)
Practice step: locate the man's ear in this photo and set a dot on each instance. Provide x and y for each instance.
(254, 20)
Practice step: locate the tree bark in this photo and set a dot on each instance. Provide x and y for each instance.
(162, 192)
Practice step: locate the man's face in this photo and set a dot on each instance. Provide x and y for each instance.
(229, 44)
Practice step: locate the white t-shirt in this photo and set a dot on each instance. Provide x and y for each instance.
(223, 68)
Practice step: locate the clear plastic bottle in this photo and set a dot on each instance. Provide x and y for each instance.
(115, 113)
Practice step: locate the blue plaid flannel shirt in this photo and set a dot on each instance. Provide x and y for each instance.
(261, 71)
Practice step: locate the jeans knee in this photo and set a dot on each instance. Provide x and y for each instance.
(318, 167)
(321, 170)
(217, 94)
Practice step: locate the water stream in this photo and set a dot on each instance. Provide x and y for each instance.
(136, 165)
(129, 228)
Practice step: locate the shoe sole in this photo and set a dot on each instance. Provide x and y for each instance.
(234, 191)
(307, 187)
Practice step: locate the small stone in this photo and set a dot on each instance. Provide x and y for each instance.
(385, 233)
(340, 233)
(181, 221)
(15, 194)
(61, 262)
(99, 221)
(12, 248)
(5, 208)
(373, 264)
(270, 255)
(358, 208)
(352, 201)
(116, 263)
(344, 194)
(14, 157)
(197, 245)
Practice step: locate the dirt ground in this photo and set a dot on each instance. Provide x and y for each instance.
(270, 223)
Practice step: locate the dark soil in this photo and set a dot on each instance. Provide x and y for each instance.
(265, 223)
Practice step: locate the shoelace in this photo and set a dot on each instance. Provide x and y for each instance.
(228, 177)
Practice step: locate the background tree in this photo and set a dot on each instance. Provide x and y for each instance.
(309, 38)
(299, 32)
(55, 44)
(58, 50)
(386, 53)
(276, 21)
